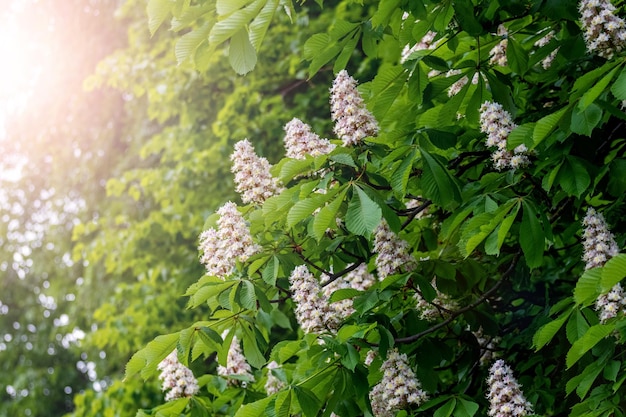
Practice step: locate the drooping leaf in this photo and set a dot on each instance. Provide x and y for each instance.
(588, 287)
(573, 176)
(241, 53)
(437, 183)
(532, 237)
(363, 214)
(158, 11)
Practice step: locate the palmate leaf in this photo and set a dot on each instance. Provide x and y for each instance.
(255, 409)
(260, 24)
(532, 237)
(481, 226)
(583, 122)
(187, 45)
(573, 176)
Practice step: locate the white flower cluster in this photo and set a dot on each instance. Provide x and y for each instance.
(600, 246)
(598, 242)
(497, 55)
(353, 122)
(359, 278)
(440, 307)
(427, 42)
(505, 395)
(236, 364)
(231, 241)
(547, 61)
(312, 308)
(604, 33)
(393, 252)
(300, 141)
(497, 123)
(458, 85)
(488, 345)
(177, 378)
(339, 310)
(253, 180)
(398, 388)
(611, 303)
(273, 384)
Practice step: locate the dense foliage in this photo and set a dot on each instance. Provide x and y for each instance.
(453, 248)
(458, 220)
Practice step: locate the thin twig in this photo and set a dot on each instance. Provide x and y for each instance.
(480, 300)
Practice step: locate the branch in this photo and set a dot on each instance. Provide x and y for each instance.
(334, 277)
(414, 212)
(469, 307)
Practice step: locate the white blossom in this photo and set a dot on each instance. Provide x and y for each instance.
(427, 42)
(488, 345)
(300, 141)
(393, 252)
(177, 379)
(605, 33)
(231, 241)
(598, 242)
(497, 55)
(253, 180)
(236, 364)
(353, 122)
(497, 123)
(505, 395)
(312, 308)
(398, 388)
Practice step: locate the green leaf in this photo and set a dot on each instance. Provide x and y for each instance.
(517, 57)
(437, 183)
(255, 409)
(619, 86)
(283, 404)
(247, 295)
(446, 409)
(270, 272)
(351, 359)
(465, 14)
(591, 95)
(327, 217)
(593, 336)
(363, 214)
(479, 227)
(305, 208)
(546, 125)
(309, 403)
(235, 22)
(384, 12)
(344, 159)
(584, 122)
(146, 360)
(588, 287)
(465, 408)
(241, 53)
(583, 382)
(187, 45)
(258, 27)
(158, 11)
(496, 239)
(251, 348)
(546, 333)
(576, 327)
(613, 272)
(573, 176)
(400, 177)
(386, 87)
(226, 7)
(532, 238)
(521, 135)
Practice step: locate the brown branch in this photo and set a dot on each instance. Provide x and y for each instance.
(414, 212)
(457, 313)
(336, 276)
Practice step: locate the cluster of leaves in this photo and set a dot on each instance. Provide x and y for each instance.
(506, 245)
